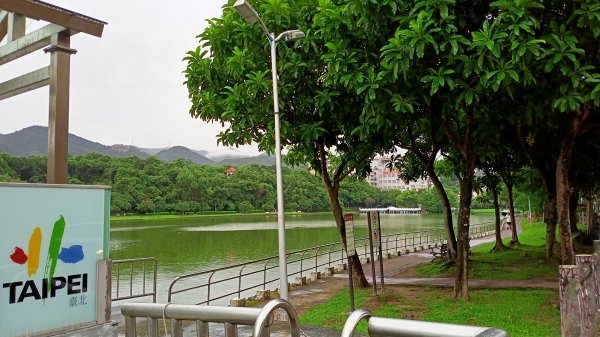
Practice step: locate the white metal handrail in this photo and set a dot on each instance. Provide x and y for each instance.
(261, 319)
(391, 327)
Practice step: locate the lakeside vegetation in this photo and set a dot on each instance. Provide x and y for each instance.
(170, 189)
(535, 315)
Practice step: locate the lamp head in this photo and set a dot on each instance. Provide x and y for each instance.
(246, 11)
(295, 34)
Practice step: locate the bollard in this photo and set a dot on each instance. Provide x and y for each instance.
(237, 302)
(389, 255)
(368, 260)
(263, 294)
(301, 280)
(315, 275)
(342, 266)
(569, 302)
(587, 302)
(330, 271)
(596, 272)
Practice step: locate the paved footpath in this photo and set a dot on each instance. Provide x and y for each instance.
(304, 297)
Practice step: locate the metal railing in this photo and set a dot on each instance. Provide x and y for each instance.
(391, 327)
(140, 275)
(231, 317)
(239, 279)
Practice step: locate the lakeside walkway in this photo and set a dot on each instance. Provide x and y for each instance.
(306, 297)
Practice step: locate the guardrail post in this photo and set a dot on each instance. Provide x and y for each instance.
(176, 328)
(103, 290)
(570, 324)
(201, 329)
(230, 330)
(587, 299)
(596, 272)
(152, 327)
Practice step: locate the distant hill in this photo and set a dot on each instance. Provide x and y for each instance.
(262, 159)
(33, 140)
(177, 152)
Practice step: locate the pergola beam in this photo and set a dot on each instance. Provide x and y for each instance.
(29, 43)
(40, 10)
(3, 24)
(16, 26)
(31, 81)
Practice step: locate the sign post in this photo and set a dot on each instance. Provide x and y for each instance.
(373, 220)
(350, 251)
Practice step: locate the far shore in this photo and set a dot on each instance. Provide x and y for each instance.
(219, 214)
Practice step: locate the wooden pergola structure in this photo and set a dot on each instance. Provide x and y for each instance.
(54, 39)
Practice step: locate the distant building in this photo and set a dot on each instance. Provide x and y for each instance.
(230, 171)
(384, 178)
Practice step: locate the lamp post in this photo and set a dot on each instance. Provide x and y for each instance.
(251, 16)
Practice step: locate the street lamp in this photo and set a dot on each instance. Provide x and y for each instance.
(250, 16)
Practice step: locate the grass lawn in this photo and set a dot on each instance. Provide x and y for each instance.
(526, 313)
(525, 262)
(521, 313)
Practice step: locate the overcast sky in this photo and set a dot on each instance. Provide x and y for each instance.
(126, 87)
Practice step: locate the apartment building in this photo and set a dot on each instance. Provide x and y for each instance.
(384, 178)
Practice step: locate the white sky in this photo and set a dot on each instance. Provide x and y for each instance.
(126, 87)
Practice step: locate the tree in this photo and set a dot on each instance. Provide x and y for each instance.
(228, 81)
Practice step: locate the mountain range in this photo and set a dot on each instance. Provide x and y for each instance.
(33, 140)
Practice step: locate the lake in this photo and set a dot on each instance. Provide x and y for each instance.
(192, 244)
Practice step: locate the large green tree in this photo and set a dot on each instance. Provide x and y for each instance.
(228, 78)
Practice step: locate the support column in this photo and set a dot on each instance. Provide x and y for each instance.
(16, 26)
(58, 122)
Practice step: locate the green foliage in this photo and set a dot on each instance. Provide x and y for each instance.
(428, 199)
(149, 185)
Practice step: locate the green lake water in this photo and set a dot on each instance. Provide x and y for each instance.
(192, 244)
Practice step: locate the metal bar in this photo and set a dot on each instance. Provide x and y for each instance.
(380, 327)
(176, 327)
(129, 326)
(185, 312)
(155, 274)
(265, 316)
(31, 81)
(202, 329)
(152, 326)
(230, 330)
(46, 12)
(118, 279)
(131, 279)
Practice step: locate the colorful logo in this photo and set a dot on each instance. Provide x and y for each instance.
(72, 254)
(49, 286)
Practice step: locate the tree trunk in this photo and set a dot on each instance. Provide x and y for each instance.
(333, 187)
(573, 201)
(514, 242)
(563, 192)
(358, 275)
(451, 237)
(550, 218)
(499, 246)
(461, 285)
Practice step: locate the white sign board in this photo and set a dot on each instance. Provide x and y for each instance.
(52, 237)
(350, 249)
(375, 228)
